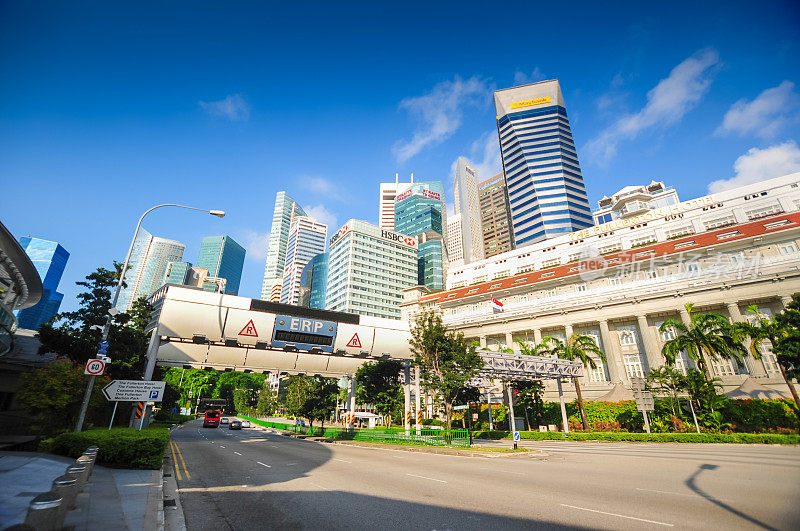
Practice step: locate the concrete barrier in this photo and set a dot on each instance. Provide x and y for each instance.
(44, 512)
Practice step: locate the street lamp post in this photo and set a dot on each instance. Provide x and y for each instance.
(112, 312)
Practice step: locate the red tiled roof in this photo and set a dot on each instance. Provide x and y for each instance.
(646, 252)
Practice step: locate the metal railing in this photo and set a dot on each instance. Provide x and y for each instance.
(422, 436)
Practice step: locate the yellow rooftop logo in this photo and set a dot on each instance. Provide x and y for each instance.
(530, 103)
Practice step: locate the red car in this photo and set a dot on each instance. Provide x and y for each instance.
(212, 419)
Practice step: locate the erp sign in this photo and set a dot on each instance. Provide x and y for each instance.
(304, 333)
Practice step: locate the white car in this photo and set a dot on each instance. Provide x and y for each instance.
(224, 420)
(245, 424)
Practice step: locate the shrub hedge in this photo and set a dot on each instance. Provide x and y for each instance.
(117, 448)
(740, 438)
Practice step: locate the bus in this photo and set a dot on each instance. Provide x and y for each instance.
(211, 419)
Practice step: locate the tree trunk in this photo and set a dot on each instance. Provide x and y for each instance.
(790, 384)
(448, 413)
(580, 403)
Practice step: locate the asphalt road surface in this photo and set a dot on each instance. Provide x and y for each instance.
(255, 479)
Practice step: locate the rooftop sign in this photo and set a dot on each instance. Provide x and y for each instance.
(530, 103)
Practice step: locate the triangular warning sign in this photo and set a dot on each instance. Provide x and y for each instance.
(355, 342)
(249, 330)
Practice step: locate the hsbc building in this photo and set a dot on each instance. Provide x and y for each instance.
(369, 267)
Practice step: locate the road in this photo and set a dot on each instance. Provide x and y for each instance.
(254, 479)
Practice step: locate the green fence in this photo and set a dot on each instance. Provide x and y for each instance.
(425, 436)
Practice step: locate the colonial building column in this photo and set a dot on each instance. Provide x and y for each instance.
(537, 335)
(616, 369)
(567, 330)
(482, 339)
(510, 342)
(654, 358)
(756, 367)
(785, 300)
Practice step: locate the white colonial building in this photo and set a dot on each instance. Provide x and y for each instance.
(619, 281)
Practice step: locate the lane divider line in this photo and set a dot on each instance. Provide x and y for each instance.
(425, 477)
(237, 453)
(618, 515)
(263, 464)
(175, 461)
(342, 460)
(185, 468)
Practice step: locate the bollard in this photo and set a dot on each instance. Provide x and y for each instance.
(91, 452)
(66, 487)
(88, 462)
(44, 512)
(79, 473)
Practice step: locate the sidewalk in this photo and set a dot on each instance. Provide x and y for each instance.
(112, 499)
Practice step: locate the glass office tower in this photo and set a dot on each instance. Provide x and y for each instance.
(224, 258)
(420, 211)
(546, 192)
(314, 282)
(50, 259)
(285, 208)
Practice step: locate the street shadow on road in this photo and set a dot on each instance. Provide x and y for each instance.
(691, 482)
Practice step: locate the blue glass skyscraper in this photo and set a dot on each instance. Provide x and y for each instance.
(50, 259)
(546, 193)
(314, 282)
(224, 258)
(420, 212)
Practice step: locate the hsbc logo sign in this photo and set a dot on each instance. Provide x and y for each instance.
(338, 235)
(393, 236)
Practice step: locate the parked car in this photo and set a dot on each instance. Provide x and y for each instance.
(245, 424)
(224, 420)
(235, 425)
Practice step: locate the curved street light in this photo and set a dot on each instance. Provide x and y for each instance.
(112, 312)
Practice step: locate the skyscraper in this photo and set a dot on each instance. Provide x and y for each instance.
(420, 211)
(455, 247)
(547, 196)
(285, 207)
(389, 191)
(177, 273)
(465, 190)
(314, 282)
(49, 259)
(306, 240)
(146, 267)
(368, 270)
(495, 216)
(224, 258)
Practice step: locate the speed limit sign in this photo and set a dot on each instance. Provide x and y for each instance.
(95, 367)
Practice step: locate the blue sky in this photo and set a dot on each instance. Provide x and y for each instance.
(106, 110)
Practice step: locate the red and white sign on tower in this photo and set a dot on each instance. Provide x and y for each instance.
(497, 306)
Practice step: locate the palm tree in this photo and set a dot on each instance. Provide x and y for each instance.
(577, 347)
(708, 334)
(764, 329)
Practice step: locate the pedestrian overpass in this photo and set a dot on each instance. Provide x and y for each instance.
(192, 328)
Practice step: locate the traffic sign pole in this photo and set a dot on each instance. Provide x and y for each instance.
(113, 413)
(646, 421)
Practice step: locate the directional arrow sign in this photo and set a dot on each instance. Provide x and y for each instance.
(135, 391)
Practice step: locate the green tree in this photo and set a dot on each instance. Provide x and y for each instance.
(77, 334)
(446, 360)
(379, 384)
(708, 335)
(668, 382)
(577, 347)
(52, 397)
(299, 390)
(780, 334)
(267, 401)
(530, 397)
(322, 402)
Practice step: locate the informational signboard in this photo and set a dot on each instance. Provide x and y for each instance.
(457, 408)
(95, 367)
(135, 391)
(304, 333)
(516, 436)
(644, 400)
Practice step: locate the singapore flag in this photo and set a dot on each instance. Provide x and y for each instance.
(497, 306)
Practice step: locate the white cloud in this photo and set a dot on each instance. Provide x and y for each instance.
(440, 113)
(765, 116)
(234, 107)
(667, 103)
(256, 244)
(521, 78)
(321, 186)
(484, 156)
(760, 164)
(323, 215)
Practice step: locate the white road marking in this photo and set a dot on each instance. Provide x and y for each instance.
(618, 515)
(674, 493)
(424, 477)
(263, 464)
(290, 464)
(342, 460)
(237, 453)
(320, 487)
(273, 445)
(221, 446)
